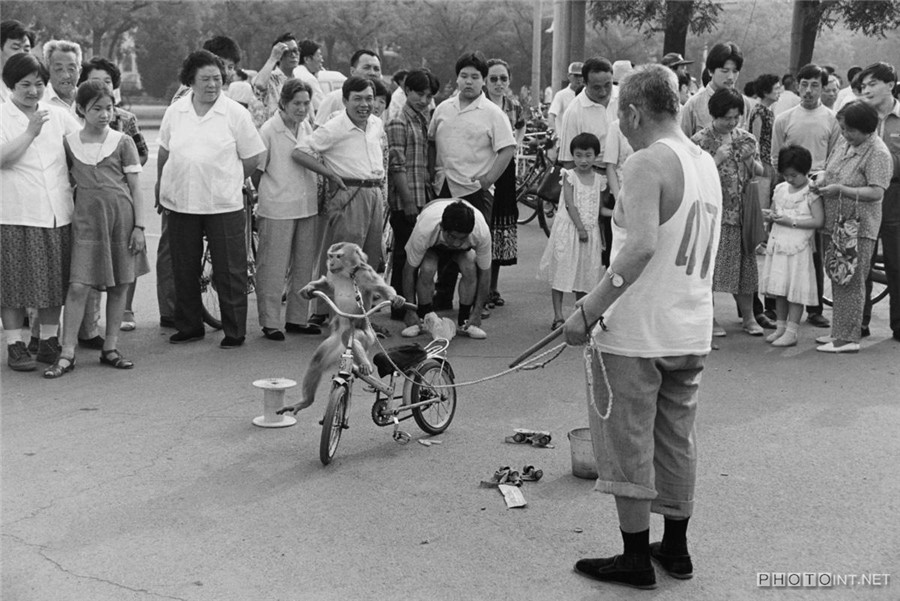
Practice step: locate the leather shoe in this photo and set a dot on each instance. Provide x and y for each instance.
(763, 320)
(317, 320)
(635, 571)
(676, 565)
(230, 342)
(298, 328)
(273, 334)
(818, 320)
(182, 337)
(95, 343)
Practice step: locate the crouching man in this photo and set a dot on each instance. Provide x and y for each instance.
(448, 229)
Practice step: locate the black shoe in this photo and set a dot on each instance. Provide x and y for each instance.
(95, 343)
(273, 334)
(298, 328)
(19, 358)
(818, 320)
(182, 337)
(865, 332)
(33, 345)
(634, 571)
(167, 322)
(896, 335)
(231, 342)
(48, 350)
(677, 566)
(318, 319)
(765, 322)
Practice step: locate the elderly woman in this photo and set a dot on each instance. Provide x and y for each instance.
(737, 159)
(207, 146)
(286, 216)
(505, 213)
(856, 175)
(36, 214)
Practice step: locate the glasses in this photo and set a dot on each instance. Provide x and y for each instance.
(293, 51)
(496, 78)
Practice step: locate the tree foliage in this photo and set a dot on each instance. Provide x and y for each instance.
(673, 17)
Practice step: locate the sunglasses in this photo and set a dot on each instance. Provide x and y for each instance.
(496, 78)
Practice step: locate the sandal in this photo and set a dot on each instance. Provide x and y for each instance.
(58, 370)
(504, 475)
(114, 358)
(557, 323)
(530, 474)
(495, 299)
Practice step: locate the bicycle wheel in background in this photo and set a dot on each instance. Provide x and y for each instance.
(333, 422)
(387, 247)
(545, 212)
(212, 314)
(431, 373)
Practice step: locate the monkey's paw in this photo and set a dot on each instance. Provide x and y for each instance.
(293, 409)
(365, 368)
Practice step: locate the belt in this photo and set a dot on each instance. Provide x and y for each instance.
(363, 183)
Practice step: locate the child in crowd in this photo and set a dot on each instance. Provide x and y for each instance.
(788, 273)
(108, 247)
(572, 258)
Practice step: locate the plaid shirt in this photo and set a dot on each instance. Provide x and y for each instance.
(126, 122)
(408, 153)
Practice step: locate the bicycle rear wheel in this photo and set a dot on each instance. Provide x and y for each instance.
(433, 380)
(333, 423)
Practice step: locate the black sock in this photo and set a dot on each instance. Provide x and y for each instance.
(464, 312)
(636, 543)
(424, 309)
(674, 538)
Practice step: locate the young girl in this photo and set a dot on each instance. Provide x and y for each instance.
(572, 259)
(788, 273)
(108, 250)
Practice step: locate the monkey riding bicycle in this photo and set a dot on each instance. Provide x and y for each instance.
(426, 377)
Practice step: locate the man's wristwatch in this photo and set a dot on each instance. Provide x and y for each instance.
(617, 280)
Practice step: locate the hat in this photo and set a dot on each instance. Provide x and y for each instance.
(673, 59)
(575, 68)
(621, 69)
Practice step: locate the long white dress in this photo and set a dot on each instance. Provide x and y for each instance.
(569, 264)
(788, 270)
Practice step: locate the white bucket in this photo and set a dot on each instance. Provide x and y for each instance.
(583, 462)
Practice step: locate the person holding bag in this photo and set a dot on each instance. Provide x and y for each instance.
(856, 175)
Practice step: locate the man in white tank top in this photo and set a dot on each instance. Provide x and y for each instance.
(656, 303)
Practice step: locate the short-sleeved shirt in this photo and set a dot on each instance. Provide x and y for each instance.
(427, 234)
(350, 151)
(272, 95)
(36, 190)
(868, 164)
(331, 103)
(287, 190)
(467, 141)
(816, 130)
(584, 115)
(561, 102)
(733, 172)
(204, 174)
(408, 153)
(695, 112)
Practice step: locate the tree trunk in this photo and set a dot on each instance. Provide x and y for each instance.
(678, 19)
(804, 29)
(96, 43)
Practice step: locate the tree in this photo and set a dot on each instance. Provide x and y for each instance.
(811, 17)
(674, 17)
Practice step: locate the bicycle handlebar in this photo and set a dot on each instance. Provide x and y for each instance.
(321, 295)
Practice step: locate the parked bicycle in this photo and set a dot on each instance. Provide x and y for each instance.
(534, 186)
(428, 394)
(212, 313)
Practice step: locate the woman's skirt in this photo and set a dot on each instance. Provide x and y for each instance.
(34, 266)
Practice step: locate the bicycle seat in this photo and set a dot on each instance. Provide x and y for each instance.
(403, 357)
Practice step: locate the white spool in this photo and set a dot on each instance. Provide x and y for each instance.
(273, 400)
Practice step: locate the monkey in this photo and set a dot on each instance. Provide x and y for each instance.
(346, 264)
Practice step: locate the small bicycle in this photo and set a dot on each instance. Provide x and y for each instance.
(428, 394)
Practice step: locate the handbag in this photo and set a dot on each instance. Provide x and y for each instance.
(842, 256)
(550, 188)
(753, 228)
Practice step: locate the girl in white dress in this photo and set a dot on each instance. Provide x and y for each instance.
(788, 273)
(572, 260)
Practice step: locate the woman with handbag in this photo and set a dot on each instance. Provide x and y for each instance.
(737, 158)
(856, 175)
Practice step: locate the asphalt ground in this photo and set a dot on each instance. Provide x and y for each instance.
(153, 483)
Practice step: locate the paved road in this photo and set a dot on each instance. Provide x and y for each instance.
(153, 484)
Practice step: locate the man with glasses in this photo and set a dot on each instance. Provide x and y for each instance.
(814, 127)
(285, 56)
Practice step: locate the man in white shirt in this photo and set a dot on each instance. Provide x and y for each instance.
(813, 126)
(398, 96)
(311, 62)
(788, 98)
(847, 94)
(589, 112)
(830, 91)
(564, 97)
(364, 63)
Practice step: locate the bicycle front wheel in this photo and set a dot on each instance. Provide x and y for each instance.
(433, 381)
(333, 422)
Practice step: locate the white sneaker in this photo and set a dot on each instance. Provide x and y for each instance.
(472, 331)
(411, 331)
(850, 347)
